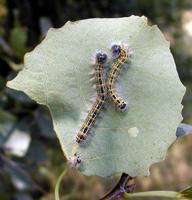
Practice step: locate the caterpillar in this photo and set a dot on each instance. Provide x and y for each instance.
(74, 161)
(101, 88)
(120, 53)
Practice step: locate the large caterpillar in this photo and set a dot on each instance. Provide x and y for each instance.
(101, 58)
(121, 54)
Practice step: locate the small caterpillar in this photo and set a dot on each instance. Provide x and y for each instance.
(74, 161)
(120, 53)
(101, 58)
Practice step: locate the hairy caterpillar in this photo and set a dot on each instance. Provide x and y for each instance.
(120, 53)
(101, 58)
(74, 161)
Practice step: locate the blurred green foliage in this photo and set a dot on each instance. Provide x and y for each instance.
(23, 24)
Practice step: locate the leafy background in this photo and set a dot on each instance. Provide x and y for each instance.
(31, 172)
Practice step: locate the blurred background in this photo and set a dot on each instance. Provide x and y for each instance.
(30, 154)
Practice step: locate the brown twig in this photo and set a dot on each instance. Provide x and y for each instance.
(120, 188)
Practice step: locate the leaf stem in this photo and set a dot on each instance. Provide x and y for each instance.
(167, 194)
(57, 187)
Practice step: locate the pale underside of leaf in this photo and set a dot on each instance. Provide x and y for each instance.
(56, 74)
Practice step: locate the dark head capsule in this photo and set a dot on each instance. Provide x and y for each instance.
(116, 49)
(101, 58)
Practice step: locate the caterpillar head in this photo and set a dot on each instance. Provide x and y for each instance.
(116, 50)
(101, 58)
(117, 47)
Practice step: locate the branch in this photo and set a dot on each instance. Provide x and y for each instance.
(120, 188)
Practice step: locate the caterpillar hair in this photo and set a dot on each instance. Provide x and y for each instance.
(74, 161)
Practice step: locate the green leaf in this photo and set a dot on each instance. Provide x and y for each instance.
(56, 74)
(18, 40)
(187, 193)
(162, 194)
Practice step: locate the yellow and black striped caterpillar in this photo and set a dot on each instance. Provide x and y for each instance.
(101, 58)
(121, 56)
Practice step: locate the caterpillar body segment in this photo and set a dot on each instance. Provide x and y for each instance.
(100, 82)
(90, 119)
(120, 53)
(101, 88)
